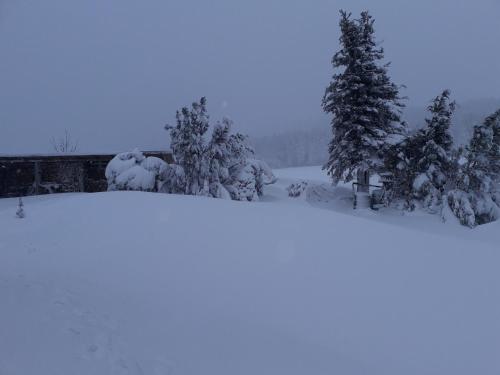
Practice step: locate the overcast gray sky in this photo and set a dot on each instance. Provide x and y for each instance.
(113, 72)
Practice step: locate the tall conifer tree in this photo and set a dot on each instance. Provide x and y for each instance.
(189, 146)
(365, 104)
(434, 161)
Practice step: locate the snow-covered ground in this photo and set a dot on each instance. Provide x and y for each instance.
(144, 283)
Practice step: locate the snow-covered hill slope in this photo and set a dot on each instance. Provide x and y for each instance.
(138, 283)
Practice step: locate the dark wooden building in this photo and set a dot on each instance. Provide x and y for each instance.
(22, 175)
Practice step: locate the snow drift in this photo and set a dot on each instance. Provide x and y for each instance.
(142, 283)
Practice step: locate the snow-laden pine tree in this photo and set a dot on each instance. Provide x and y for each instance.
(240, 151)
(365, 104)
(474, 200)
(219, 159)
(493, 121)
(221, 168)
(434, 160)
(401, 169)
(189, 146)
(242, 183)
(480, 163)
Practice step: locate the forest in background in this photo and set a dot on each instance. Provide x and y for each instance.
(308, 145)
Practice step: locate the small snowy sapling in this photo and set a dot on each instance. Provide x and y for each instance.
(20, 209)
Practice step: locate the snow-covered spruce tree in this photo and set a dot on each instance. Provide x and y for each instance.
(242, 183)
(493, 121)
(473, 201)
(480, 173)
(172, 179)
(188, 145)
(221, 168)
(246, 176)
(365, 104)
(434, 160)
(219, 159)
(401, 168)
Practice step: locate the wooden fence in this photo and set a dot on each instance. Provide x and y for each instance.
(22, 175)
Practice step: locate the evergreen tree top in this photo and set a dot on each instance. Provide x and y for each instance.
(484, 146)
(438, 126)
(365, 104)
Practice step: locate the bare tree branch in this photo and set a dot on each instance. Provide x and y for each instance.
(64, 144)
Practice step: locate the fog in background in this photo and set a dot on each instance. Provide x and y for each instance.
(113, 72)
(309, 145)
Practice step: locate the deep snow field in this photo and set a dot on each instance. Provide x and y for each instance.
(144, 283)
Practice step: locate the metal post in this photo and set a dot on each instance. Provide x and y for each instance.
(363, 177)
(38, 177)
(81, 177)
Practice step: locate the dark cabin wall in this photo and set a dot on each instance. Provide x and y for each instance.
(39, 174)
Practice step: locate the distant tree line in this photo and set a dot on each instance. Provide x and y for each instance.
(293, 148)
(308, 144)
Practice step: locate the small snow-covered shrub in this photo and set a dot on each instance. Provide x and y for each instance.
(172, 179)
(485, 208)
(244, 185)
(119, 164)
(20, 209)
(135, 178)
(248, 184)
(134, 171)
(296, 189)
(471, 209)
(458, 203)
(427, 193)
(153, 164)
(217, 190)
(262, 173)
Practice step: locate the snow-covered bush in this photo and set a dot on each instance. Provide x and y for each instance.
(135, 178)
(219, 160)
(425, 192)
(247, 184)
(243, 186)
(124, 172)
(134, 171)
(296, 189)
(485, 209)
(471, 208)
(458, 204)
(172, 179)
(474, 201)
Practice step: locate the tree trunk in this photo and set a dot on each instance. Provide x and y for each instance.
(363, 176)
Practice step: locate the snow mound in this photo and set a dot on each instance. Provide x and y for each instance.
(133, 171)
(144, 283)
